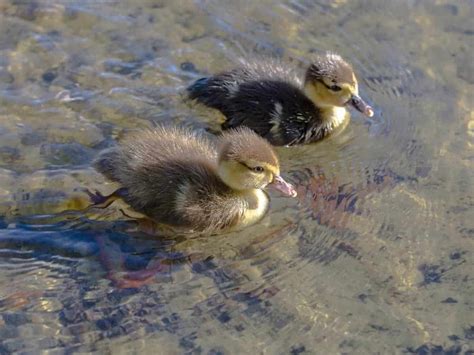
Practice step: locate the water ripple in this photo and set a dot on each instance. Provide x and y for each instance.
(377, 239)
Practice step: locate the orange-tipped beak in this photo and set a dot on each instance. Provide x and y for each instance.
(284, 187)
(361, 106)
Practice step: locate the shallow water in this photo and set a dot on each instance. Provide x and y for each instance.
(375, 255)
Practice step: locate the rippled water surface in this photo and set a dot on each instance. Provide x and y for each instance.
(375, 255)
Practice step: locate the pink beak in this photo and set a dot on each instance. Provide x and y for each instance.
(361, 106)
(282, 186)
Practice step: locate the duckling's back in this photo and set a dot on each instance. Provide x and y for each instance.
(265, 96)
(170, 175)
(217, 90)
(154, 149)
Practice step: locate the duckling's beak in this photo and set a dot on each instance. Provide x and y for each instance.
(281, 185)
(361, 106)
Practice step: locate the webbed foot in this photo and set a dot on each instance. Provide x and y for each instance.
(100, 201)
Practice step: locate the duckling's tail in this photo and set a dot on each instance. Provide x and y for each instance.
(199, 84)
(108, 164)
(198, 89)
(211, 92)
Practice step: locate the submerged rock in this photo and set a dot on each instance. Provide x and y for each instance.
(465, 68)
(66, 154)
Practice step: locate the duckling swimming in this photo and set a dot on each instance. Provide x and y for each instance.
(272, 100)
(180, 179)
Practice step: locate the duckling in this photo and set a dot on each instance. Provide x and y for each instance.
(271, 99)
(183, 180)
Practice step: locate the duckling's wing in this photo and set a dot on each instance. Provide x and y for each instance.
(183, 194)
(208, 208)
(276, 110)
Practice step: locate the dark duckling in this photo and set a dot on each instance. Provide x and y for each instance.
(180, 179)
(271, 99)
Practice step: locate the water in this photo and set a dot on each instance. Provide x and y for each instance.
(375, 255)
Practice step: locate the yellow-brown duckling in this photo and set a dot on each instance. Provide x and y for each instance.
(273, 101)
(180, 179)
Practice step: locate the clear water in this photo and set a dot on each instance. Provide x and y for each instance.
(376, 254)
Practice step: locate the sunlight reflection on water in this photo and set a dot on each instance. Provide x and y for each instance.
(374, 256)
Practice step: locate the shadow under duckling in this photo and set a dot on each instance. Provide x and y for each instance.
(271, 99)
(182, 180)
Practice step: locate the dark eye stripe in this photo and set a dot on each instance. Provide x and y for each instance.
(331, 87)
(257, 169)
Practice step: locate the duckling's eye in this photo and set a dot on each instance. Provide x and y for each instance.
(335, 88)
(258, 169)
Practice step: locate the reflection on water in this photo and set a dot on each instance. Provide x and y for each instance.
(375, 255)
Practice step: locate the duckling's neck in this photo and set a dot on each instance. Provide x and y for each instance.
(332, 116)
(255, 206)
(253, 202)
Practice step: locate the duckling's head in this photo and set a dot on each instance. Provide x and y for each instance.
(330, 81)
(247, 161)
